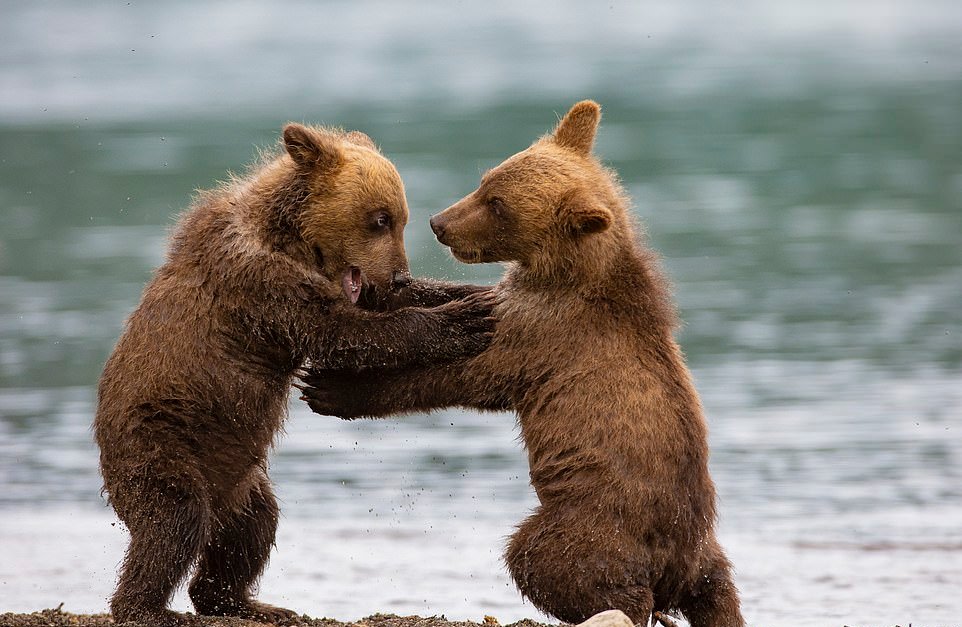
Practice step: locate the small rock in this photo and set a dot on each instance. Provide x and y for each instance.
(608, 618)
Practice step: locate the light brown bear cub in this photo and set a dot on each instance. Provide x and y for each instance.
(585, 353)
(262, 275)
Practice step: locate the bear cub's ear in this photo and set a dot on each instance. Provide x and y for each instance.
(310, 149)
(585, 215)
(578, 127)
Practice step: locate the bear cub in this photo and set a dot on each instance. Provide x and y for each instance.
(585, 354)
(263, 275)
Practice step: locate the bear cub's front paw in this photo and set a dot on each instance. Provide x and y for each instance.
(469, 325)
(333, 392)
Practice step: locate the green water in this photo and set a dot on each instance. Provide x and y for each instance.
(828, 224)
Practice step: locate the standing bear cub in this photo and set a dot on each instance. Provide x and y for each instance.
(585, 353)
(262, 275)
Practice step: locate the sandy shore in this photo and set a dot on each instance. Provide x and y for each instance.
(58, 618)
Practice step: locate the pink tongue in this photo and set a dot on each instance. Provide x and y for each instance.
(351, 284)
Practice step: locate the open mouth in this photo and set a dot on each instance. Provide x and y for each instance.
(352, 282)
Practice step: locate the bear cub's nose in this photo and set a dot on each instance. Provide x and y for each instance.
(437, 225)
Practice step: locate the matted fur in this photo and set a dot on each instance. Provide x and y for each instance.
(196, 388)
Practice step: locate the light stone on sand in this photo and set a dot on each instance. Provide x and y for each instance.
(608, 618)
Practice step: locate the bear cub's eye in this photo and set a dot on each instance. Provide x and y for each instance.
(383, 220)
(496, 205)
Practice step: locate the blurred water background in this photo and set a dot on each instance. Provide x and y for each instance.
(799, 166)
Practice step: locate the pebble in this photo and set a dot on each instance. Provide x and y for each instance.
(608, 618)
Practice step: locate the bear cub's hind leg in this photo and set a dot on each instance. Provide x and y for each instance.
(713, 601)
(168, 526)
(566, 571)
(235, 557)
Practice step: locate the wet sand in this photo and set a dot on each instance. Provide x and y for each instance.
(56, 617)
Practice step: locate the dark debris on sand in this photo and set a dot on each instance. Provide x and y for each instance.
(58, 618)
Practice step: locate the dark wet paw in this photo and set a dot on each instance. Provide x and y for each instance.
(326, 394)
(245, 608)
(479, 304)
(318, 402)
(156, 618)
(265, 613)
(472, 322)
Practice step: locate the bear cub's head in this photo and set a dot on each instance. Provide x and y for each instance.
(351, 207)
(539, 203)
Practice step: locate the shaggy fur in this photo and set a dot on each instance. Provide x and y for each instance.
(585, 353)
(259, 279)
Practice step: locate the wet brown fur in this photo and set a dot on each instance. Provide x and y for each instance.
(196, 388)
(585, 353)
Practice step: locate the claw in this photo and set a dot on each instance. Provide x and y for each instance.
(664, 619)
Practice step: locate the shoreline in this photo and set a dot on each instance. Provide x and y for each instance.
(56, 617)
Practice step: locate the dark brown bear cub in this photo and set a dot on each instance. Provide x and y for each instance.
(262, 275)
(585, 353)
